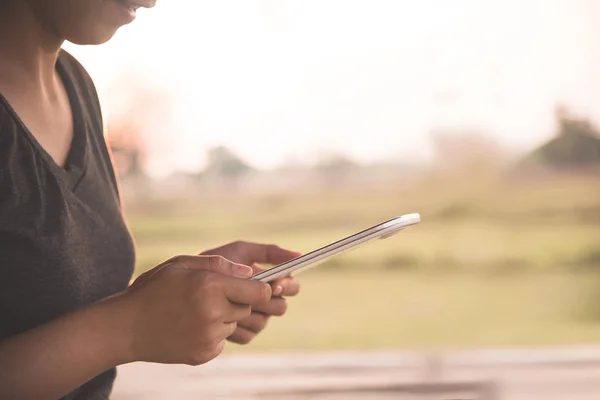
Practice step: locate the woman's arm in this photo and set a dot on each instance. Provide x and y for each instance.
(179, 312)
(50, 361)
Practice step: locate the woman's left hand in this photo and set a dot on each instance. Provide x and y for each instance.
(253, 254)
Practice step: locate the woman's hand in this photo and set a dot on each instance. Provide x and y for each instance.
(179, 312)
(183, 310)
(254, 254)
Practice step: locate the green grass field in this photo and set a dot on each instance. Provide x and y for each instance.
(355, 310)
(491, 264)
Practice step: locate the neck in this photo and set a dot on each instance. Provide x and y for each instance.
(29, 47)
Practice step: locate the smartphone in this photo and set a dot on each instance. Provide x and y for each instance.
(383, 230)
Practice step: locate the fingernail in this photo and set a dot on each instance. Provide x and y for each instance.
(278, 290)
(242, 270)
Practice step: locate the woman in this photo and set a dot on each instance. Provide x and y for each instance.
(67, 315)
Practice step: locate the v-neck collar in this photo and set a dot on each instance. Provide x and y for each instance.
(75, 165)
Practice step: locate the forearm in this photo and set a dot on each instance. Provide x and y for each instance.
(50, 361)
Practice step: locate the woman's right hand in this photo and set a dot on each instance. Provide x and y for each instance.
(181, 311)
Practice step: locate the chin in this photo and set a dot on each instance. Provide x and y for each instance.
(95, 37)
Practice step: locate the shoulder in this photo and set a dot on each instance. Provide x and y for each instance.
(4, 116)
(83, 84)
(13, 155)
(75, 70)
(8, 127)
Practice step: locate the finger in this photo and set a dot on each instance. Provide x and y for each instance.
(213, 353)
(242, 336)
(276, 306)
(237, 312)
(256, 268)
(229, 329)
(245, 291)
(265, 253)
(217, 264)
(288, 286)
(256, 322)
(223, 266)
(219, 335)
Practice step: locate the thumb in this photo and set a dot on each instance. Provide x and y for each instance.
(256, 268)
(216, 264)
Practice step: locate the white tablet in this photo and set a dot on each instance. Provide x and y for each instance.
(380, 231)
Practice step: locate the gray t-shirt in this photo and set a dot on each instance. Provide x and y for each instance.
(63, 241)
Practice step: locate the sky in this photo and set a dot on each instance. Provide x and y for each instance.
(288, 80)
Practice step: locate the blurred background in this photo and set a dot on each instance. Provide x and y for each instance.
(300, 122)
